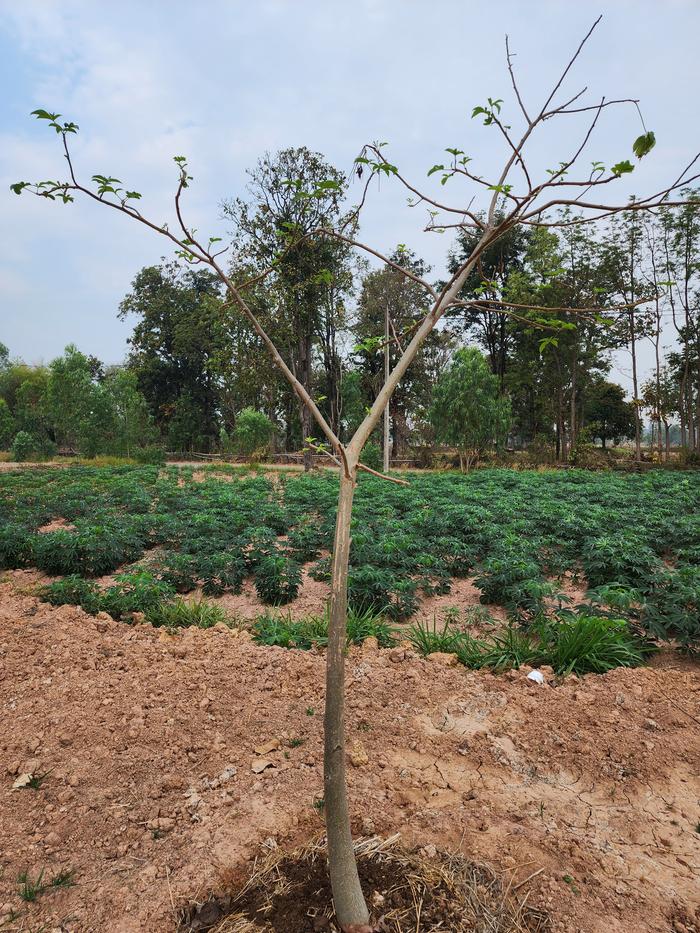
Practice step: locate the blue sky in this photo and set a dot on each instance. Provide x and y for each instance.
(224, 81)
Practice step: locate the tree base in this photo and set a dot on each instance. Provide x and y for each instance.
(405, 890)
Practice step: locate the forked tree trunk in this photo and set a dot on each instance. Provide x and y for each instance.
(349, 902)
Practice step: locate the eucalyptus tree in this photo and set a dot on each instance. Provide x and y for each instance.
(625, 258)
(513, 194)
(387, 308)
(681, 246)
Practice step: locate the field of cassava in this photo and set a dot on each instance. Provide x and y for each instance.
(627, 546)
(160, 745)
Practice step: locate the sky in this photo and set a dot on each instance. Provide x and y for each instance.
(224, 81)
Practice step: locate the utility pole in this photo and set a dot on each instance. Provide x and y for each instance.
(386, 376)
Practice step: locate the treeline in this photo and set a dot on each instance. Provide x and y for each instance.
(547, 310)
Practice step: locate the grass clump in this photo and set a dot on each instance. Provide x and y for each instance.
(183, 613)
(571, 642)
(591, 644)
(312, 631)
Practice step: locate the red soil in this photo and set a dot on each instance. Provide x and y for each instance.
(148, 744)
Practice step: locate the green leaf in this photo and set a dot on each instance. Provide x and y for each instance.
(45, 115)
(133, 194)
(548, 342)
(644, 144)
(622, 168)
(436, 168)
(19, 186)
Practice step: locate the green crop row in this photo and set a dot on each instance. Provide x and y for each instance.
(518, 535)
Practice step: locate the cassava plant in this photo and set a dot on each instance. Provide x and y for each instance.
(520, 193)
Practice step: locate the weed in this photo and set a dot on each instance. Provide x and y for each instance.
(512, 648)
(36, 780)
(310, 711)
(182, 613)
(427, 639)
(29, 890)
(64, 879)
(582, 643)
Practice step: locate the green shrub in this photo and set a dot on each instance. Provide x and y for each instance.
(620, 557)
(28, 446)
(152, 454)
(253, 433)
(672, 612)
(90, 550)
(16, 547)
(222, 573)
(277, 580)
(179, 570)
(74, 591)
(372, 456)
(135, 592)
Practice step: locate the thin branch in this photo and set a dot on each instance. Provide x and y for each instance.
(360, 466)
(329, 231)
(509, 59)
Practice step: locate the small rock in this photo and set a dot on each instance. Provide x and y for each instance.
(370, 644)
(261, 764)
(358, 756)
(651, 724)
(397, 655)
(368, 827)
(442, 657)
(272, 746)
(23, 781)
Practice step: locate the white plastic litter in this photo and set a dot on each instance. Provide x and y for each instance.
(537, 676)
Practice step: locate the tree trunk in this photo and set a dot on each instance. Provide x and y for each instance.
(348, 899)
(635, 389)
(304, 376)
(387, 371)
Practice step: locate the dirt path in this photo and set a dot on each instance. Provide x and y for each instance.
(148, 742)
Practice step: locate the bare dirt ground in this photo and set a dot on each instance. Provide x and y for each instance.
(170, 762)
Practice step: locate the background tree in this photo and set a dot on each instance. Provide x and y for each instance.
(253, 433)
(468, 410)
(309, 276)
(606, 413)
(388, 290)
(178, 340)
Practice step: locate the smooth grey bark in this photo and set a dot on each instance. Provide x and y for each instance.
(350, 906)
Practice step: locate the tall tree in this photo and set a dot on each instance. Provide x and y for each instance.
(311, 275)
(388, 292)
(179, 336)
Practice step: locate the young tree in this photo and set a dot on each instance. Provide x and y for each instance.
(7, 425)
(253, 432)
(468, 410)
(513, 195)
